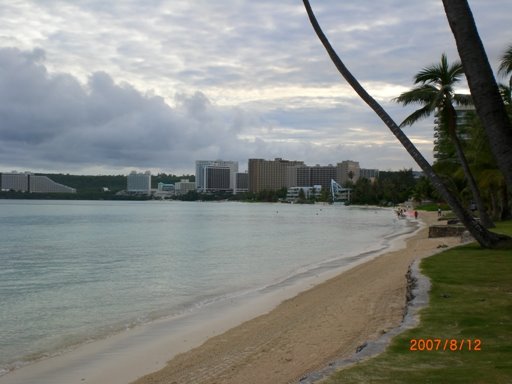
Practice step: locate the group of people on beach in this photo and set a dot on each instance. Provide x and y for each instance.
(402, 212)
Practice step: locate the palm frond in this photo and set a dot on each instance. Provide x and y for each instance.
(416, 115)
(428, 75)
(442, 74)
(453, 72)
(506, 93)
(423, 94)
(506, 63)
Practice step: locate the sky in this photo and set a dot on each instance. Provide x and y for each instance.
(106, 87)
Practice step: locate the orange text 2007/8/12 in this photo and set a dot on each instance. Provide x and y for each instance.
(452, 345)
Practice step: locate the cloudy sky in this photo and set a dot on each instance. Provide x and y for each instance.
(104, 87)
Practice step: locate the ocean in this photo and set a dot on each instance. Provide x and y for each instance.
(72, 272)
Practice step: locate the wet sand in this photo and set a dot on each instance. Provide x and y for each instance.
(305, 333)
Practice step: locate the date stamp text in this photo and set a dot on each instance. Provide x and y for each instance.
(452, 345)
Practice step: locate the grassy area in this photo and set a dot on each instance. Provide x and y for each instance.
(433, 207)
(471, 299)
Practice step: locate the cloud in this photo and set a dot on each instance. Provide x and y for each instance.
(109, 86)
(52, 121)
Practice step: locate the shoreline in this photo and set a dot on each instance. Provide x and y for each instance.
(306, 333)
(145, 349)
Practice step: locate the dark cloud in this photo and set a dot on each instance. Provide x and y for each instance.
(50, 120)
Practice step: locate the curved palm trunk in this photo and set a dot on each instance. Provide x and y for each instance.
(485, 219)
(482, 84)
(484, 237)
(505, 213)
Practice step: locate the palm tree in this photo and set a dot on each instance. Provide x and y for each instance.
(435, 91)
(484, 237)
(484, 90)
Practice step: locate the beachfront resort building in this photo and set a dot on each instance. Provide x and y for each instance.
(216, 175)
(279, 173)
(15, 181)
(317, 175)
(348, 170)
(242, 182)
(272, 175)
(294, 193)
(443, 146)
(28, 182)
(164, 191)
(184, 186)
(139, 182)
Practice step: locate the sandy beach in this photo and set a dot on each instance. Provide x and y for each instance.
(305, 333)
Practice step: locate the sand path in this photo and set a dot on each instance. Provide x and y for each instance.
(308, 331)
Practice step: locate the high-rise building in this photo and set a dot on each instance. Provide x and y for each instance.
(139, 182)
(242, 182)
(271, 175)
(444, 150)
(317, 175)
(217, 179)
(211, 175)
(43, 184)
(15, 181)
(347, 170)
(28, 182)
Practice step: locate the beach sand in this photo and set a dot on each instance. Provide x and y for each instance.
(305, 333)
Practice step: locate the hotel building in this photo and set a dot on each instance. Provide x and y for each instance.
(272, 174)
(216, 175)
(279, 173)
(347, 170)
(242, 182)
(317, 175)
(139, 182)
(28, 182)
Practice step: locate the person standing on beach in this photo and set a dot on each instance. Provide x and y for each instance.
(415, 214)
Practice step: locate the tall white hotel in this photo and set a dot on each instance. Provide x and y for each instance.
(139, 182)
(209, 175)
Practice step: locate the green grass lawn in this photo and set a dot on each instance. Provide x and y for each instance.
(470, 300)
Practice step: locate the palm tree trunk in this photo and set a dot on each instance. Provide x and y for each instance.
(505, 213)
(485, 219)
(484, 90)
(484, 237)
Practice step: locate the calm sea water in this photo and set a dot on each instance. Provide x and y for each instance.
(71, 272)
